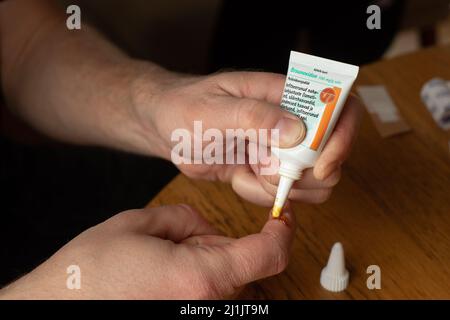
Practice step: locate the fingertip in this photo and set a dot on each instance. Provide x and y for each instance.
(284, 224)
(291, 132)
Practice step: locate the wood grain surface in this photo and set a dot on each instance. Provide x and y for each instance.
(391, 207)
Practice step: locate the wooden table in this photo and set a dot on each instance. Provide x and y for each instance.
(391, 208)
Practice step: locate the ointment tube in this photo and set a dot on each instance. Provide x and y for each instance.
(315, 91)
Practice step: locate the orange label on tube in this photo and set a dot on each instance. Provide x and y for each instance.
(329, 96)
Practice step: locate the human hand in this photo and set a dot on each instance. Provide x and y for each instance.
(100, 96)
(167, 252)
(247, 100)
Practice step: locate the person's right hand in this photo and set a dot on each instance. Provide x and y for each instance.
(167, 252)
(235, 100)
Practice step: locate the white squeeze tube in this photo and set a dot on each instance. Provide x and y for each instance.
(315, 91)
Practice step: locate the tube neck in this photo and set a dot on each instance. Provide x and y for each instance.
(290, 170)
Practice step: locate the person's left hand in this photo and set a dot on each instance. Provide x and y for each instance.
(168, 252)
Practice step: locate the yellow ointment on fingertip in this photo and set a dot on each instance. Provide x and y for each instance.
(276, 211)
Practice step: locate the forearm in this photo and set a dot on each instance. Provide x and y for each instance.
(30, 287)
(71, 85)
(47, 281)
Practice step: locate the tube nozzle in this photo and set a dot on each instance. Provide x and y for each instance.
(282, 194)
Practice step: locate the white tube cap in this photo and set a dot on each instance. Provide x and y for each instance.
(335, 276)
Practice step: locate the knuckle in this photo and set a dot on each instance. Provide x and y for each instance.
(322, 195)
(204, 287)
(240, 81)
(187, 210)
(212, 279)
(272, 179)
(269, 188)
(196, 282)
(282, 261)
(235, 269)
(333, 179)
(123, 218)
(281, 257)
(254, 114)
(248, 114)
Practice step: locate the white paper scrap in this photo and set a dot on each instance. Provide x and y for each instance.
(377, 100)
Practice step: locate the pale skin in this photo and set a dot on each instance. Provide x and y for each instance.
(77, 87)
(161, 253)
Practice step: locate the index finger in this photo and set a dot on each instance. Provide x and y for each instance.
(339, 145)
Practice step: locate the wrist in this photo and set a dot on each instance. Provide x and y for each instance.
(135, 125)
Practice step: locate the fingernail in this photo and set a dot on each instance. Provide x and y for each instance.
(284, 217)
(291, 132)
(329, 169)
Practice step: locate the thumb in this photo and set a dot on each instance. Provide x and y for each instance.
(249, 113)
(254, 102)
(261, 255)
